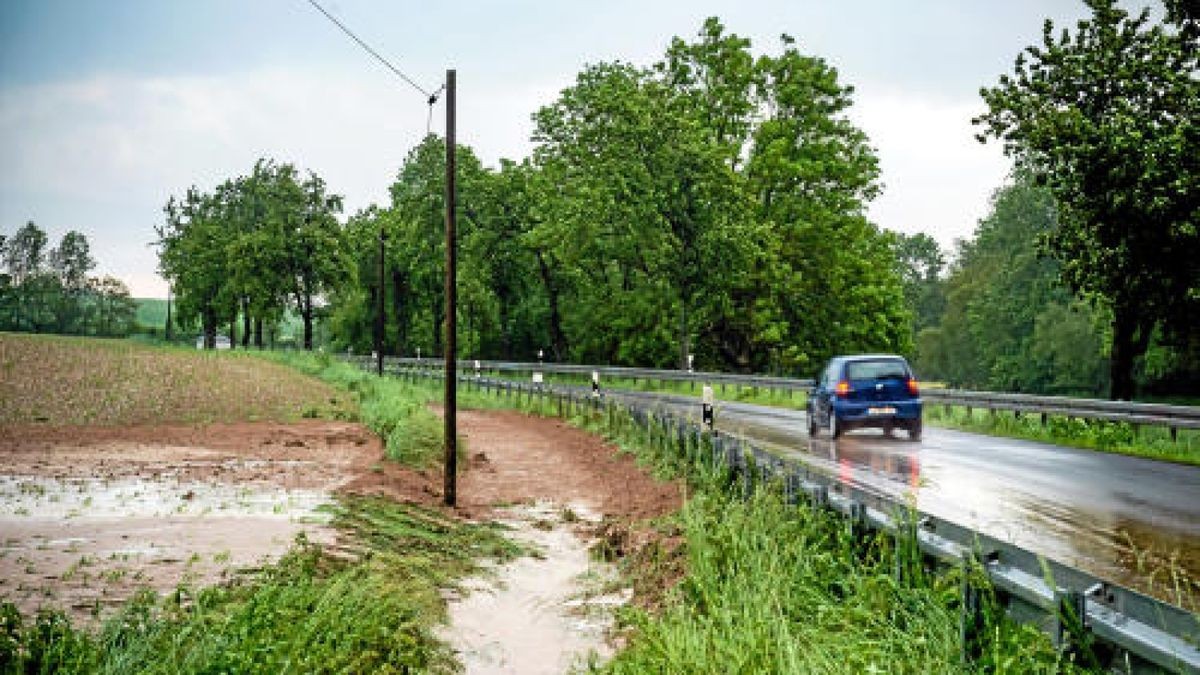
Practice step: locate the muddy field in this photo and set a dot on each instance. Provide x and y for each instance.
(90, 515)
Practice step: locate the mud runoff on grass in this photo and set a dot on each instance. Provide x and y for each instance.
(90, 515)
(558, 488)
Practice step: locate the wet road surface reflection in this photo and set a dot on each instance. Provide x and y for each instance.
(1133, 521)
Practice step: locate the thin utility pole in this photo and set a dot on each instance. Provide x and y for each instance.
(380, 319)
(451, 403)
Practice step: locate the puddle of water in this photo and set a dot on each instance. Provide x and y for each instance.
(42, 498)
(539, 614)
(86, 545)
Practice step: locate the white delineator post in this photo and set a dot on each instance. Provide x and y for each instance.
(706, 407)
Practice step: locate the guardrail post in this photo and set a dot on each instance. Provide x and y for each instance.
(1174, 434)
(1072, 635)
(858, 522)
(972, 622)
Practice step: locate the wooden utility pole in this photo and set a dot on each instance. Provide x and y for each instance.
(379, 317)
(451, 402)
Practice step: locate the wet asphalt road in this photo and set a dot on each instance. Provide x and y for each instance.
(1126, 519)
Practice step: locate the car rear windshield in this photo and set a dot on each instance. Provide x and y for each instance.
(877, 369)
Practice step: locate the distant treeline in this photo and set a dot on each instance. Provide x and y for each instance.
(999, 317)
(48, 290)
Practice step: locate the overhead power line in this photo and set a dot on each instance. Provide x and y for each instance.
(431, 98)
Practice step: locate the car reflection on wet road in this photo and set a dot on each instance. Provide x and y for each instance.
(1130, 520)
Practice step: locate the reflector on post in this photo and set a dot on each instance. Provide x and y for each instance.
(706, 406)
(596, 383)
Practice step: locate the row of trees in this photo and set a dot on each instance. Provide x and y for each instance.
(712, 205)
(48, 290)
(1008, 321)
(252, 248)
(709, 205)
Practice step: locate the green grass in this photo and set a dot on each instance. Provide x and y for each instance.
(1152, 442)
(764, 586)
(310, 612)
(397, 412)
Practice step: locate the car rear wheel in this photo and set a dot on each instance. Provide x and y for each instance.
(914, 431)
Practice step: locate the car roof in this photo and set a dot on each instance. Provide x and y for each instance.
(868, 357)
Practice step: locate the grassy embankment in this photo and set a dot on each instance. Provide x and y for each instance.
(1152, 442)
(761, 586)
(371, 608)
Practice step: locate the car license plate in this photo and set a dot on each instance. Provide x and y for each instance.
(881, 411)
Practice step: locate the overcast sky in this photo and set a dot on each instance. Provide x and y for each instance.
(108, 107)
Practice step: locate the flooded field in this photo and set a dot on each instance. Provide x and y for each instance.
(87, 521)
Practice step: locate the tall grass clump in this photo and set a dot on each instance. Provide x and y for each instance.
(371, 609)
(766, 586)
(774, 588)
(397, 412)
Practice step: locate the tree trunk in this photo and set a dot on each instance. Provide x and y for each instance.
(167, 328)
(401, 322)
(258, 332)
(308, 326)
(505, 335)
(685, 337)
(210, 329)
(558, 339)
(1130, 339)
(439, 320)
(245, 324)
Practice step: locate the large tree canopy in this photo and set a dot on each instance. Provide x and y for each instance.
(1108, 117)
(253, 246)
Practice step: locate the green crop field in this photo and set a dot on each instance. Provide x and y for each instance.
(151, 312)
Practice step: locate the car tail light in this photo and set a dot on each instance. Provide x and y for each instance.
(843, 389)
(913, 388)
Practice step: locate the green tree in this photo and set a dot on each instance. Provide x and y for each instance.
(1108, 117)
(71, 261)
(1009, 324)
(193, 257)
(921, 264)
(25, 252)
(114, 311)
(645, 212)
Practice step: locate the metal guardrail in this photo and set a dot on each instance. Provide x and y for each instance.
(1130, 632)
(1174, 417)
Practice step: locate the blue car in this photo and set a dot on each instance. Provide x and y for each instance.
(868, 390)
